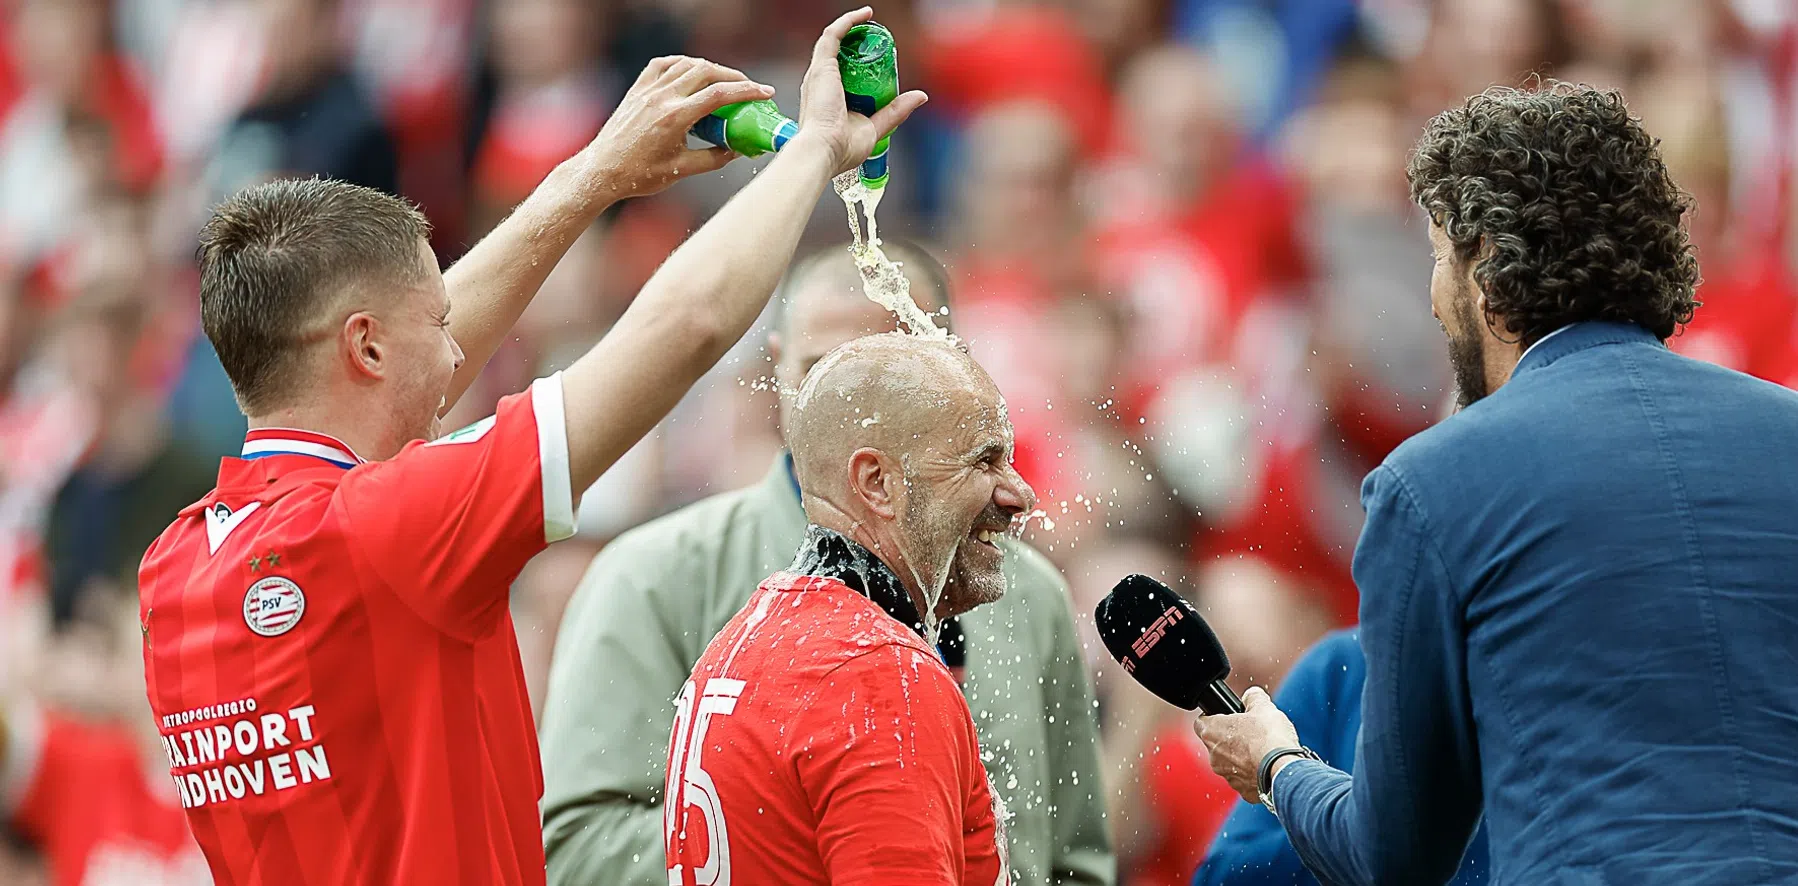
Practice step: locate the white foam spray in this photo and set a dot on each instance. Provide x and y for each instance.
(883, 281)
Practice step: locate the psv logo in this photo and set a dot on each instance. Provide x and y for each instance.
(273, 606)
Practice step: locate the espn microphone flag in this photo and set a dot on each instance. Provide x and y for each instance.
(1161, 640)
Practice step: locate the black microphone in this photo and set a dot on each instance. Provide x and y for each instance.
(1160, 639)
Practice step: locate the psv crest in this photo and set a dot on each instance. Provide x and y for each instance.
(273, 606)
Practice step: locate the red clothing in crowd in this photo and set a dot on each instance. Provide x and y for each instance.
(46, 426)
(822, 741)
(95, 807)
(1019, 53)
(331, 660)
(1188, 802)
(1746, 322)
(1191, 278)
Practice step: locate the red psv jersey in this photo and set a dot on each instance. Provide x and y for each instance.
(331, 661)
(821, 741)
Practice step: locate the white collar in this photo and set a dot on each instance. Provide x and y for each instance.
(1526, 351)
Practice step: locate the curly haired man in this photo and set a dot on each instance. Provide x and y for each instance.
(1577, 598)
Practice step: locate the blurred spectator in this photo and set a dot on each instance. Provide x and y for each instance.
(85, 769)
(415, 56)
(1472, 44)
(549, 99)
(1748, 299)
(1272, 53)
(313, 115)
(123, 338)
(1379, 363)
(77, 119)
(972, 60)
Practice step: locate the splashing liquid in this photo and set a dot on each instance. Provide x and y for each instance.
(883, 281)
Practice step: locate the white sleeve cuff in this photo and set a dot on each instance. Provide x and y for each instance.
(21, 747)
(552, 455)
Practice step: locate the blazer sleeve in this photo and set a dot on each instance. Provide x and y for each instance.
(1411, 808)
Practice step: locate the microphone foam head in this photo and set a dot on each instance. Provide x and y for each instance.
(1160, 639)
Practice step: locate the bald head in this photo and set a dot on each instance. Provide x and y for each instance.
(903, 443)
(892, 392)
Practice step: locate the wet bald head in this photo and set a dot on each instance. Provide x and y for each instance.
(903, 444)
(892, 392)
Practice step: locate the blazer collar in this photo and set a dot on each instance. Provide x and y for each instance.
(1579, 337)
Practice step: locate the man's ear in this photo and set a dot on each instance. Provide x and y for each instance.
(362, 348)
(870, 481)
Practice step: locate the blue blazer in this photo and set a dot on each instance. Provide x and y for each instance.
(1579, 608)
(1322, 695)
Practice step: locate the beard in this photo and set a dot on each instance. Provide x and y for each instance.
(1467, 353)
(931, 542)
(977, 574)
(953, 571)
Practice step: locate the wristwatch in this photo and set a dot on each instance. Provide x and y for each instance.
(1264, 780)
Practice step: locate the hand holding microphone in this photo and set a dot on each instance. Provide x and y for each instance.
(1162, 641)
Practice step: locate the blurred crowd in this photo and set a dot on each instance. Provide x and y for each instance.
(1179, 232)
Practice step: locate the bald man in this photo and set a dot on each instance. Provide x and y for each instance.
(821, 739)
(657, 595)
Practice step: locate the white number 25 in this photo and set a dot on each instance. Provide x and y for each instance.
(690, 791)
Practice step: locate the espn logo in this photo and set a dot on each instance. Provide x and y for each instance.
(1141, 645)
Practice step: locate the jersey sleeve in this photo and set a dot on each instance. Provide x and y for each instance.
(884, 757)
(449, 524)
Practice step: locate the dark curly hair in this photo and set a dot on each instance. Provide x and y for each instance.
(1563, 199)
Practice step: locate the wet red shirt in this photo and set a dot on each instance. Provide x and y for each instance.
(821, 741)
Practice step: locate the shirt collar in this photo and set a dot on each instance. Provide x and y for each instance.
(1526, 351)
(831, 554)
(786, 464)
(267, 442)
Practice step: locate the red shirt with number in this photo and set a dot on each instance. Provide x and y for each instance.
(331, 660)
(85, 795)
(821, 741)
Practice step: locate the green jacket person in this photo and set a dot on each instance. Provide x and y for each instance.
(657, 595)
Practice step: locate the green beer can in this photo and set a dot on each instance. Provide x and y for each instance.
(869, 63)
(749, 128)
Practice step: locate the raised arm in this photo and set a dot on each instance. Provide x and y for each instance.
(712, 287)
(641, 150)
